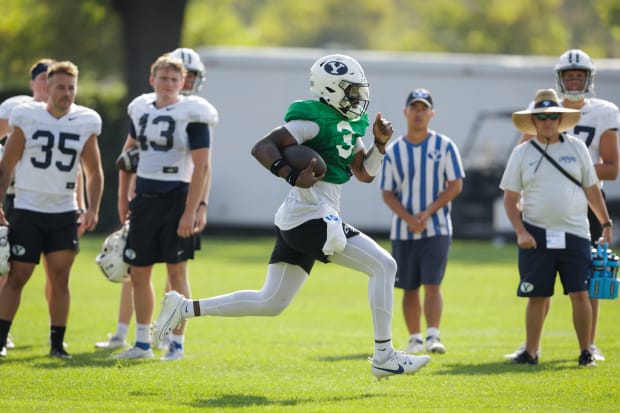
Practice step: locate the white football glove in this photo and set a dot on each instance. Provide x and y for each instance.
(5, 250)
(110, 259)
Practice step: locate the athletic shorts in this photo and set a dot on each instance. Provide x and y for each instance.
(32, 233)
(303, 244)
(153, 224)
(420, 261)
(538, 267)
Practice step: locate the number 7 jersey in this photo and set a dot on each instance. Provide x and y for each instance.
(45, 177)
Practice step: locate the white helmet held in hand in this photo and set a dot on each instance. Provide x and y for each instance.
(191, 61)
(110, 259)
(5, 250)
(575, 59)
(339, 81)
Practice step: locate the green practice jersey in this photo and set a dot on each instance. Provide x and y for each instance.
(336, 139)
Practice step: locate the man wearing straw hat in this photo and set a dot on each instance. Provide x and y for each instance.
(553, 179)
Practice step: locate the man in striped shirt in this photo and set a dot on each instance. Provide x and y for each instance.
(422, 174)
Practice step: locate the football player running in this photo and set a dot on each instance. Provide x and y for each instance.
(194, 80)
(172, 132)
(307, 223)
(598, 128)
(48, 142)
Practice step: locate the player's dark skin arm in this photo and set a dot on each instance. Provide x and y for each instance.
(267, 151)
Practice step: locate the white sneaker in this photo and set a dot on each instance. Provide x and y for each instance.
(595, 351)
(113, 343)
(518, 351)
(9, 342)
(3, 352)
(134, 353)
(174, 352)
(169, 317)
(416, 346)
(434, 345)
(164, 344)
(398, 363)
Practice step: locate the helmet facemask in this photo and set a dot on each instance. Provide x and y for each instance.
(356, 99)
(575, 95)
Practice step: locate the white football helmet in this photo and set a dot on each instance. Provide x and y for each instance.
(110, 259)
(575, 59)
(5, 250)
(339, 81)
(192, 63)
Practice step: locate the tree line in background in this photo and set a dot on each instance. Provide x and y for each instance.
(103, 35)
(114, 42)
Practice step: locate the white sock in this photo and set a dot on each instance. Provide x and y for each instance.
(177, 338)
(432, 332)
(383, 350)
(121, 330)
(187, 309)
(415, 336)
(143, 333)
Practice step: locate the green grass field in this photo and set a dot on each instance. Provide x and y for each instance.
(312, 358)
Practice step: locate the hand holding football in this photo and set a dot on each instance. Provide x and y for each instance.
(128, 160)
(299, 157)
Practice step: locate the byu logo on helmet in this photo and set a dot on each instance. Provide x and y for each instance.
(335, 68)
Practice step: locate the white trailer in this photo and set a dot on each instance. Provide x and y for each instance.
(474, 96)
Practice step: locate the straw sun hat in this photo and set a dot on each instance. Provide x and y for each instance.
(546, 101)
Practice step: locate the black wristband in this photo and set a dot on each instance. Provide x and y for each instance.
(277, 165)
(607, 224)
(292, 177)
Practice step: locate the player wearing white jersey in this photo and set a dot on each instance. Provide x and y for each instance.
(193, 82)
(172, 133)
(422, 174)
(48, 142)
(598, 128)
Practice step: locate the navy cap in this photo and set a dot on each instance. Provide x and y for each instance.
(420, 95)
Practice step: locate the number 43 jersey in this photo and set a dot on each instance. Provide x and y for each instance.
(165, 147)
(45, 177)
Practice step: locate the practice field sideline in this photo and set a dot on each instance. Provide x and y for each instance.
(311, 358)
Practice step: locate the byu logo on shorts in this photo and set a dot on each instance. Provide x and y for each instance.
(335, 68)
(18, 250)
(129, 253)
(526, 287)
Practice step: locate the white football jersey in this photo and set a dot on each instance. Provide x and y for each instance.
(5, 112)
(161, 133)
(46, 175)
(597, 116)
(7, 106)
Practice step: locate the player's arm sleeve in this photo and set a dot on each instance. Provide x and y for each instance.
(199, 135)
(302, 130)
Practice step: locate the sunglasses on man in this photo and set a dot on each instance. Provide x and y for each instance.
(545, 116)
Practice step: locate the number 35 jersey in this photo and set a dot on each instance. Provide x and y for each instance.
(45, 177)
(165, 150)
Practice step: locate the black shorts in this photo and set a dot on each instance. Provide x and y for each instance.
(303, 244)
(32, 233)
(152, 237)
(420, 261)
(538, 267)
